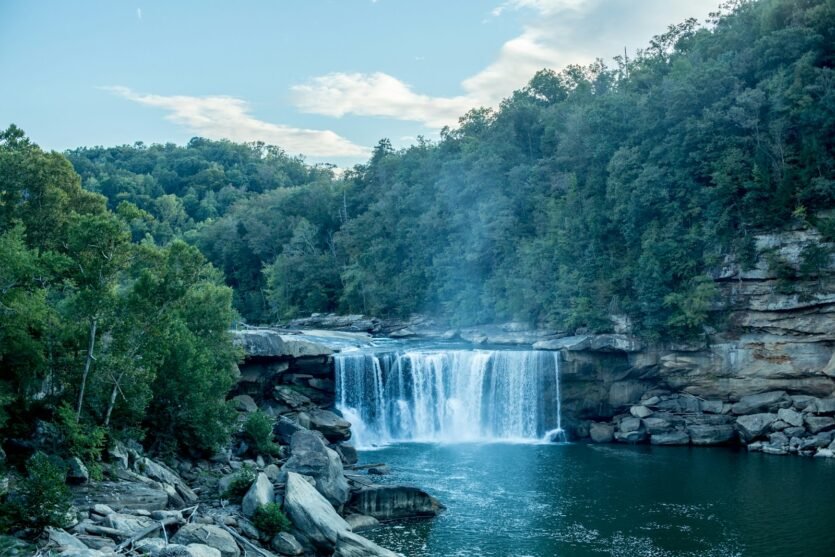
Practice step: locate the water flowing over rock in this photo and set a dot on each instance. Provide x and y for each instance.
(449, 395)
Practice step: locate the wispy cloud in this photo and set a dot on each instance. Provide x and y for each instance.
(139, 14)
(223, 117)
(558, 33)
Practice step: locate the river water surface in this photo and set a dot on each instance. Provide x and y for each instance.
(582, 500)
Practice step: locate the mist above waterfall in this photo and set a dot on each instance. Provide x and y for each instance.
(449, 395)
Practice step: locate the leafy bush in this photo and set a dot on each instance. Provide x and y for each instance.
(240, 484)
(259, 429)
(42, 498)
(84, 441)
(270, 519)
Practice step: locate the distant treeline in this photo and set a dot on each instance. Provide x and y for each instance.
(595, 191)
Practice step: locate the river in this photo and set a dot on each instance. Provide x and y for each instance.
(537, 500)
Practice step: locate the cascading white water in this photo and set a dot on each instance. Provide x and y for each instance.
(450, 395)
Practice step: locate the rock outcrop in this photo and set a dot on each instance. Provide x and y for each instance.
(394, 502)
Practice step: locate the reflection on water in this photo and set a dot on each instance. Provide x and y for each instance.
(578, 500)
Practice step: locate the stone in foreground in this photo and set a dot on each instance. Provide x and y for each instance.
(312, 515)
(210, 535)
(352, 545)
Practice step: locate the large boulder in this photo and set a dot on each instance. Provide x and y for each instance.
(312, 458)
(762, 402)
(394, 502)
(352, 545)
(333, 427)
(208, 534)
(754, 425)
(76, 471)
(165, 475)
(313, 517)
(261, 492)
(286, 543)
(602, 432)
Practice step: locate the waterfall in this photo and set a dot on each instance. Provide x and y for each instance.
(450, 395)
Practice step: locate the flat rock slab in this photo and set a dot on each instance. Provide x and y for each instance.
(395, 502)
(121, 495)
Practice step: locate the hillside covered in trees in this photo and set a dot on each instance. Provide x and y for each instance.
(594, 191)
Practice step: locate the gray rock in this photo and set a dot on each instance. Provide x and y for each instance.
(601, 432)
(166, 475)
(291, 397)
(712, 406)
(128, 523)
(103, 510)
(312, 515)
(655, 426)
(273, 344)
(77, 473)
(62, 540)
(173, 550)
(672, 438)
(284, 429)
(640, 411)
(825, 406)
(770, 449)
(347, 453)
(360, 522)
(707, 434)
(628, 425)
(762, 402)
(379, 470)
(272, 471)
(118, 454)
(150, 545)
(825, 453)
(352, 545)
(754, 425)
(334, 428)
(794, 431)
(790, 416)
(394, 502)
(202, 550)
(244, 403)
(801, 402)
(260, 493)
(312, 458)
(286, 544)
(207, 534)
(779, 425)
(631, 436)
(248, 529)
(816, 424)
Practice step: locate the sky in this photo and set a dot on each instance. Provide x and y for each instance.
(323, 78)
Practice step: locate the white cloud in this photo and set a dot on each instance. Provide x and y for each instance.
(377, 94)
(223, 117)
(561, 32)
(139, 14)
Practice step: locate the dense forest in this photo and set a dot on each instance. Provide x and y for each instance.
(592, 192)
(598, 190)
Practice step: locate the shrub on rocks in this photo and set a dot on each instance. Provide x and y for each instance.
(41, 499)
(259, 429)
(270, 519)
(239, 485)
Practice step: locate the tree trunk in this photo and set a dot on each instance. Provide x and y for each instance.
(90, 347)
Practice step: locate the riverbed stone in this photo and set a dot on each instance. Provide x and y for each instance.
(754, 425)
(77, 473)
(712, 406)
(244, 403)
(601, 432)
(631, 437)
(655, 425)
(360, 522)
(628, 425)
(825, 406)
